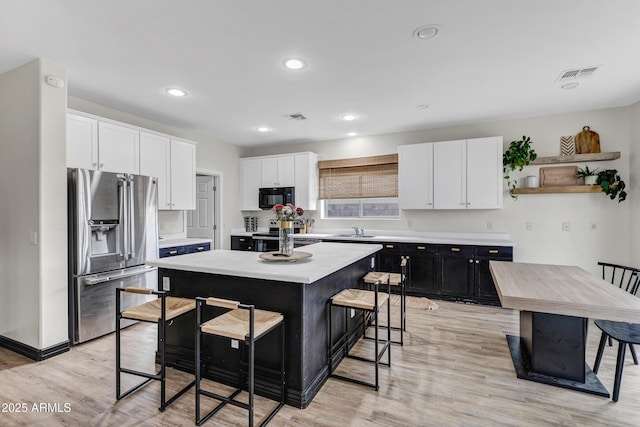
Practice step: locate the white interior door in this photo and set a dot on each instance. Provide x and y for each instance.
(201, 221)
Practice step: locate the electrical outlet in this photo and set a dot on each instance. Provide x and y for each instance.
(352, 313)
(529, 226)
(235, 344)
(166, 284)
(593, 226)
(565, 226)
(489, 225)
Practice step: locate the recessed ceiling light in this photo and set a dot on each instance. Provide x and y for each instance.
(569, 86)
(176, 92)
(352, 134)
(263, 129)
(348, 117)
(426, 32)
(294, 63)
(422, 106)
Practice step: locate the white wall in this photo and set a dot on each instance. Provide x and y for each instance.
(546, 243)
(210, 155)
(33, 278)
(634, 182)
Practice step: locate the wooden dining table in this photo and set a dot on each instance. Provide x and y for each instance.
(555, 304)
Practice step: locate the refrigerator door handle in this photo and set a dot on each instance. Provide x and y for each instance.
(123, 226)
(101, 279)
(131, 225)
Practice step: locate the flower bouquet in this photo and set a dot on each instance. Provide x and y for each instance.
(285, 214)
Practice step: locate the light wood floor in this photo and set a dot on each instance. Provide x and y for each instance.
(455, 370)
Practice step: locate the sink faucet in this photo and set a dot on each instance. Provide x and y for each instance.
(358, 231)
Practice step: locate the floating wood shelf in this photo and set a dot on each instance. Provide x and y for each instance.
(576, 158)
(559, 189)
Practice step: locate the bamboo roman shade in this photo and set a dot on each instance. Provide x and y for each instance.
(359, 178)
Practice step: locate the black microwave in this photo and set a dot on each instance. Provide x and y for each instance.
(276, 196)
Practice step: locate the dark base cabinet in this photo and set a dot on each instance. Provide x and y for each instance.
(456, 271)
(389, 258)
(242, 243)
(485, 288)
(423, 269)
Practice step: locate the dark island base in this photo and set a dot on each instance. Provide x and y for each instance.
(304, 307)
(522, 365)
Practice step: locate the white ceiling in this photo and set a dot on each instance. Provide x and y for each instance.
(492, 60)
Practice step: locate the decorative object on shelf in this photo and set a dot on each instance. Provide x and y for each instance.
(589, 175)
(518, 155)
(587, 141)
(285, 214)
(558, 176)
(567, 145)
(611, 184)
(531, 181)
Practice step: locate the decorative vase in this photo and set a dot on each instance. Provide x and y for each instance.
(285, 238)
(590, 180)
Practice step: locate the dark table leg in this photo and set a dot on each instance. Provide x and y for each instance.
(551, 350)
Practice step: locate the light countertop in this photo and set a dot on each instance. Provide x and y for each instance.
(383, 236)
(168, 243)
(326, 258)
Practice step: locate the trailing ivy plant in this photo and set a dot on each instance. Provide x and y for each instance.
(611, 184)
(518, 155)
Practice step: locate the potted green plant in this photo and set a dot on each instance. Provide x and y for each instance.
(518, 155)
(590, 176)
(611, 184)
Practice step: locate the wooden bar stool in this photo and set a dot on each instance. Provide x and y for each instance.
(394, 279)
(160, 311)
(367, 302)
(244, 323)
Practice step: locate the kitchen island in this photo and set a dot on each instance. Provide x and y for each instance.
(299, 290)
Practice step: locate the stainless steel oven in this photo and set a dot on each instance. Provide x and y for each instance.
(267, 197)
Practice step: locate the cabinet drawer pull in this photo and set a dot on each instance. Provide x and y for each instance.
(477, 261)
(455, 249)
(493, 251)
(173, 252)
(422, 248)
(200, 248)
(470, 261)
(242, 240)
(388, 246)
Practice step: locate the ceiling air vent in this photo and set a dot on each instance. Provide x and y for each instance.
(579, 73)
(296, 116)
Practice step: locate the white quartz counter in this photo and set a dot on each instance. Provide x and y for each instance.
(326, 258)
(168, 243)
(382, 236)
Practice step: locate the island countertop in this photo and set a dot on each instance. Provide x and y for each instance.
(326, 258)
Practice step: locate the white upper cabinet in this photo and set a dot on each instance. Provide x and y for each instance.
(306, 181)
(450, 174)
(415, 176)
(183, 175)
(250, 182)
(173, 162)
(278, 171)
(462, 174)
(299, 170)
(155, 160)
(118, 148)
(82, 142)
(484, 173)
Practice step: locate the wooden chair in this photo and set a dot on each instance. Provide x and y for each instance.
(244, 323)
(160, 311)
(394, 279)
(367, 302)
(623, 332)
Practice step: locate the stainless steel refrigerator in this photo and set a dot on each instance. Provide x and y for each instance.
(113, 230)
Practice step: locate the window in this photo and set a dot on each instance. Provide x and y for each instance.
(361, 208)
(364, 187)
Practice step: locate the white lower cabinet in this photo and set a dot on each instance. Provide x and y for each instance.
(461, 174)
(173, 162)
